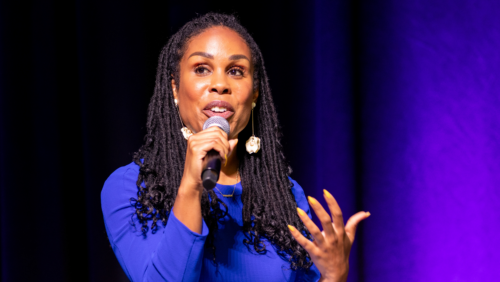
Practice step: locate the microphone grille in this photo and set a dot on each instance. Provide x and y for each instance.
(217, 121)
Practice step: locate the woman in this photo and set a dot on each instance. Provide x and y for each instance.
(255, 224)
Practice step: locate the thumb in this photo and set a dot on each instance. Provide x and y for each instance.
(232, 145)
(352, 224)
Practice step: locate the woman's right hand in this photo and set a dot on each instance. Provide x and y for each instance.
(187, 206)
(197, 147)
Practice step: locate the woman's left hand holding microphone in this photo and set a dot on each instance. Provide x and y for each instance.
(331, 247)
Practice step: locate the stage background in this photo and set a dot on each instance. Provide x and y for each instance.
(391, 105)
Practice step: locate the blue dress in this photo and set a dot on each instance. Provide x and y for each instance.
(175, 253)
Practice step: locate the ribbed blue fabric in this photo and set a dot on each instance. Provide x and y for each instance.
(175, 253)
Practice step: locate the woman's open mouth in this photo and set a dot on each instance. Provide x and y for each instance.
(219, 108)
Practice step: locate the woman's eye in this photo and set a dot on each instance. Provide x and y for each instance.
(236, 72)
(202, 70)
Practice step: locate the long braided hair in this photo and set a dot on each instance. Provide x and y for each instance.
(268, 202)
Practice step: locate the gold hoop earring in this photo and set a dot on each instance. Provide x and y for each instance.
(185, 131)
(253, 143)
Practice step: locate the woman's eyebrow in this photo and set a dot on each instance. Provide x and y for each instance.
(237, 57)
(210, 56)
(203, 54)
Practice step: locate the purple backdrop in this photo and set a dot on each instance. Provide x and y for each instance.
(429, 135)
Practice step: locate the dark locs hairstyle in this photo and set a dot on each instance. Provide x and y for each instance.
(268, 202)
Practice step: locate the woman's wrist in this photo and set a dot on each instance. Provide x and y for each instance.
(339, 279)
(322, 279)
(190, 189)
(187, 208)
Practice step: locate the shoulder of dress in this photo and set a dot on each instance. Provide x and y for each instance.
(296, 188)
(300, 197)
(120, 185)
(124, 173)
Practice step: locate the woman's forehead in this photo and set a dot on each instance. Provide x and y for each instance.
(218, 41)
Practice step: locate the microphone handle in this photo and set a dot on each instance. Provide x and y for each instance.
(210, 174)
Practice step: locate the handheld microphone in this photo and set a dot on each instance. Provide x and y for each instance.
(211, 164)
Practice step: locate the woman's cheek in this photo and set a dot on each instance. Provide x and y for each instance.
(198, 88)
(244, 118)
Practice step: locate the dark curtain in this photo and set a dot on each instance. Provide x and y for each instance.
(393, 106)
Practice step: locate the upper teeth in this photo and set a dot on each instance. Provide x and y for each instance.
(218, 109)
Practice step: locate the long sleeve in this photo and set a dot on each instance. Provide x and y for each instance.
(173, 253)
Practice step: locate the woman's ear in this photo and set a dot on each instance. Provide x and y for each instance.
(255, 95)
(174, 89)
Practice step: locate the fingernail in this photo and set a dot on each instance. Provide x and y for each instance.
(291, 228)
(327, 194)
(368, 214)
(301, 212)
(225, 163)
(312, 201)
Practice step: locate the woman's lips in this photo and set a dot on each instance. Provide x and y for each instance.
(218, 108)
(225, 114)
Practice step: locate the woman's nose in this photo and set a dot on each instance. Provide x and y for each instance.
(220, 84)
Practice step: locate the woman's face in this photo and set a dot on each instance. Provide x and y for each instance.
(216, 78)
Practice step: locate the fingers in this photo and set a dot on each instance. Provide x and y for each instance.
(313, 229)
(198, 146)
(211, 138)
(352, 224)
(324, 218)
(203, 146)
(303, 241)
(338, 219)
(212, 132)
